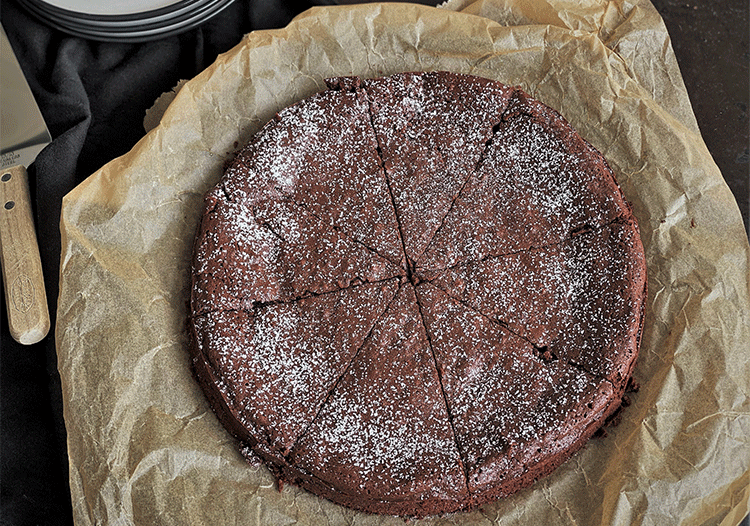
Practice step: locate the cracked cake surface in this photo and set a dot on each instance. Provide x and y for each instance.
(416, 294)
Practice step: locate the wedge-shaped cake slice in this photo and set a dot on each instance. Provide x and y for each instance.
(322, 153)
(272, 367)
(514, 411)
(580, 300)
(538, 182)
(235, 259)
(383, 439)
(278, 252)
(432, 129)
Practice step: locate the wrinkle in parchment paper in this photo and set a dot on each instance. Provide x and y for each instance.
(144, 446)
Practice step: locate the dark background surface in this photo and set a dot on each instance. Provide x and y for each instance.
(94, 96)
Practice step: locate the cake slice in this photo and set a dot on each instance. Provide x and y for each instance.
(579, 300)
(383, 440)
(271, 368)
(322, 153)
(517, 414)
(432, 129)
(278, 252)
(538, 183)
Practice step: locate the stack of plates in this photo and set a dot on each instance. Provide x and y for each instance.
(124, 20)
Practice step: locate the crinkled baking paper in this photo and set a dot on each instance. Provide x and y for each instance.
(144, 446)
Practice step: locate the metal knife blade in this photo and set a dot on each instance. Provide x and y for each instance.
(23, 134)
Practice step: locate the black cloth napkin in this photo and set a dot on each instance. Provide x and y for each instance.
(93, 96)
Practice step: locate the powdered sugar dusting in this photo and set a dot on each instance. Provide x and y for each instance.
(577, 297)
(432, 129)
(536, 184)
(502, 396)
(236, 260)
(412, 289)
(385, 429)
(280, 360)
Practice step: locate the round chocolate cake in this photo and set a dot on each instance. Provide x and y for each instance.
(415, 294)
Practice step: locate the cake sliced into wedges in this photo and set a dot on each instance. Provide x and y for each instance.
(413, 295)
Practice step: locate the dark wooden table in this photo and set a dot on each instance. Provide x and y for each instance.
(710, 39)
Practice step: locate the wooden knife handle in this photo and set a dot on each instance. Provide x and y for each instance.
(25, 296)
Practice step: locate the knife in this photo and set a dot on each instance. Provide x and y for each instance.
(23, 134)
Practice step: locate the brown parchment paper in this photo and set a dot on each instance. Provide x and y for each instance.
(144, 446)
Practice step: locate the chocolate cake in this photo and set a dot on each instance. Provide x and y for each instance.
(416, 294)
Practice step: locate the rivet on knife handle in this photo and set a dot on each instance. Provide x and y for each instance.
(25, 296)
